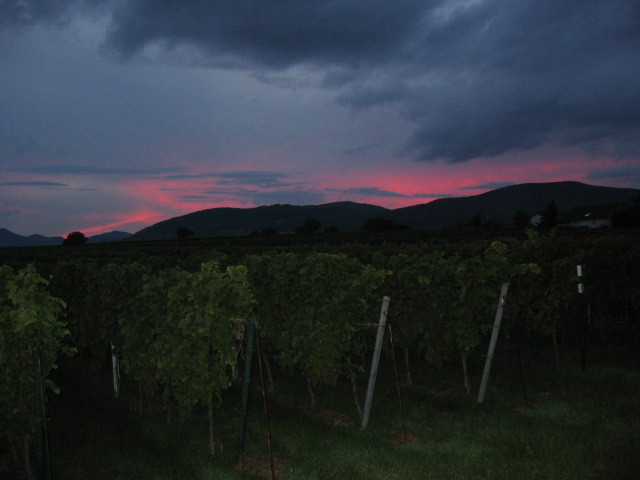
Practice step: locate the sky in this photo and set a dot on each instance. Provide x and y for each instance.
(118, 114)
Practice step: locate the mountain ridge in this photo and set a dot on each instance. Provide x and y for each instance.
(502, 203)
(498, 205)
(11, 239)
(227, 221)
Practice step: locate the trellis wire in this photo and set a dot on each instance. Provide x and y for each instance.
(395, 368)
(266, 407)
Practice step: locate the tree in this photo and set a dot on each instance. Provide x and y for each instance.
(382, 225)
(521, 219)
(310, 225)
(75, 238)
(184, 232)
(269, 231)
(549, 216)
(628, 216)
(475, 221)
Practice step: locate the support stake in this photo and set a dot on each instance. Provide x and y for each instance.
(246, 388)
(115, 369)
(375, 361)
(494, 341)
(43, 462)
(265, 406)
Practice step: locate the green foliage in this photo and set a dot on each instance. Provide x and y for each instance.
(309, 308)
(179, 329)
(181, 334)
(612, 287)
(96, 297)
(442, 304)
(539, 302)
(29, 316)
(418, 310)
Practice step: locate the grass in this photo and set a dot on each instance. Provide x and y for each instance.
(577, 426)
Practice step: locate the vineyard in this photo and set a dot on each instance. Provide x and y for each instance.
(166, 334)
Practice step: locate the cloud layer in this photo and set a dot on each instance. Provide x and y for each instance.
(476, 78)
(126, 112)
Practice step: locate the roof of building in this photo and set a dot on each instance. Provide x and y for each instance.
(590, 212)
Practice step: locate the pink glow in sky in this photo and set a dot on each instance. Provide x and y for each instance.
(417, 183)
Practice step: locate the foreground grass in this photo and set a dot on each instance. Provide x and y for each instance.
(577, 426)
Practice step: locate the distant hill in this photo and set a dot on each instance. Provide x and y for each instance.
(497, 206)
(10, 239)
(229, 222)
(501, 204)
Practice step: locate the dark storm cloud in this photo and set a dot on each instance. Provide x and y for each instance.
(487, 186)
(24, 12)
(368, 191)
(270, 187)
(377, 192)
(433, 195)
(476, 78)
(256, 178)
(196, 198)
(270, 33)
(503, 76)
(260, 197)
(626, 172)
(88, 170)
(27, 12)
(35, 184)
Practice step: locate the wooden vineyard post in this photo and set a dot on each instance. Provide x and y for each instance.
(39, 413)
(493, 342)
(43, 461)
(115, 368)
(375, 361)
(246, 387)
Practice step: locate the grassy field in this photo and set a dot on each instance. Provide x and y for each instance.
(576, 426)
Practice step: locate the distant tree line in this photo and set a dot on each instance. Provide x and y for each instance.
(627, 217)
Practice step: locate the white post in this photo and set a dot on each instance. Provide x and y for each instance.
(115, 368)
(580, 284)
(494, 341)
(584, 325)
(375, 361)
